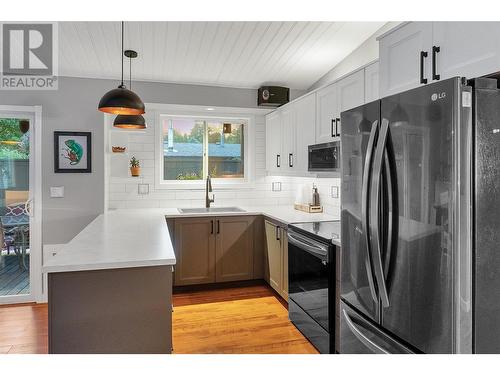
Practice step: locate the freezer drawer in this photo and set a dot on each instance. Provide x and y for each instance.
(359, 336)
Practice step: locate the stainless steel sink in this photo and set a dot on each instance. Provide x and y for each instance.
(202, 210)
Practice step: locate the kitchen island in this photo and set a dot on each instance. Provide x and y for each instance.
(110, 288)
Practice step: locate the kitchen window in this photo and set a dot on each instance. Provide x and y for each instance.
(195, 147)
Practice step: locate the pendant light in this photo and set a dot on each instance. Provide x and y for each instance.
(121, 101)
(130, 121)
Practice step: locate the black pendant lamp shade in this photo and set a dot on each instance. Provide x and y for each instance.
(121, 101)
(130, 122)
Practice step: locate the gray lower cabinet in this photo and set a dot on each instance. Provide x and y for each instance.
(195, 251)
(234, 248)
(277, 258)
(217, 249)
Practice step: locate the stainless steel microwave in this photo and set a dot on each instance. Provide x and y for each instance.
(324, 157)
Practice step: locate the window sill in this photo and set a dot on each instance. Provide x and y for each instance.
(201, 185)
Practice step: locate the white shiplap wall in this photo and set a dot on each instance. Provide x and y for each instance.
(123, 191)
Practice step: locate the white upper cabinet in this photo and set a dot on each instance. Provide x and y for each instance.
(404, 57)
(351, 92)
(288, 136)
(371, 83)
(425, 52)
(467, 49)
(326, 113)
(273, 142)
(311, 119)
(305, 132)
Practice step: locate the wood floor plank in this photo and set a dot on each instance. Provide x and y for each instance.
(237, 320)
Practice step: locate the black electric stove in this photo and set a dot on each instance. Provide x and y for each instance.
(312, 249)
(321, 230)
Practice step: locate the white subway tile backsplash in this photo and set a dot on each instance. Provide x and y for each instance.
(123, 191)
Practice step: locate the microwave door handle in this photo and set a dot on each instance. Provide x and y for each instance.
(375, 211)
(364, 207)
(361, 337)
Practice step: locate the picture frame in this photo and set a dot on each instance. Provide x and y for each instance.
(72, 152)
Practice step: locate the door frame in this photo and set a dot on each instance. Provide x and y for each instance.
(34, 113)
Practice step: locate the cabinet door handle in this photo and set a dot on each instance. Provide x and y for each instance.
(337, 123)
(435, 51)
(278, 161)
(423, 55)
(277, 230)
(218, 226)
(290, 160)
(332, 126)
(212, 225)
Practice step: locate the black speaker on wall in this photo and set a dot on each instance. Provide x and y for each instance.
(273, 96)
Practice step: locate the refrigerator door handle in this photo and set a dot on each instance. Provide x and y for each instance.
(364, 207)
(375, 213)
(361, 337)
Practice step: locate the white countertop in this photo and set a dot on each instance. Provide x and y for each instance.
(139, 237)
(117, 239)
(283, 214)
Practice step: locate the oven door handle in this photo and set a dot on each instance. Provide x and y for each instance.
(306, 244)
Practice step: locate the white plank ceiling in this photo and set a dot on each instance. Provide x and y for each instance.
(238, 54)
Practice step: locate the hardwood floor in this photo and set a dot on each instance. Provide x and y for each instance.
(235, 320)
(250, 319)
(23, 329)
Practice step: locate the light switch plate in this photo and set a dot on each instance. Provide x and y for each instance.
(276, 186)
(334, 191)
(57, 191)
(143, 189)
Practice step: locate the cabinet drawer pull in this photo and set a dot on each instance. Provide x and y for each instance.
(423, 55)
(435, 51)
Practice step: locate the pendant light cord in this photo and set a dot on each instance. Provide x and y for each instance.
(130, 73)
(122, 52)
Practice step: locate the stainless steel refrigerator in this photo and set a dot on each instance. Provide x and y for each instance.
(420, 269)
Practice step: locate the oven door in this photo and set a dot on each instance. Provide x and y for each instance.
(309, 276)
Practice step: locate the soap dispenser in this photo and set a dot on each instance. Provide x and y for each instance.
(315, 200)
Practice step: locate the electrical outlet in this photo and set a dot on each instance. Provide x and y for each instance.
(143, 189)
(276, 186)
(334, 191)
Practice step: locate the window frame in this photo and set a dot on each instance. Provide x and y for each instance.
(218, 183)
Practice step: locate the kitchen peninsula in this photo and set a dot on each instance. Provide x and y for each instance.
(110, 288)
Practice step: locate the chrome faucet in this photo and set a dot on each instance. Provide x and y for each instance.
(208, 189)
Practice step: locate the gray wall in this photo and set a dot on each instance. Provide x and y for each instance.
(73, 107)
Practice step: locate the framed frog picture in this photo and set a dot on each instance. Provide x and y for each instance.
(72, 152)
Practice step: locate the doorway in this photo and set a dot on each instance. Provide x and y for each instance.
(20, 204)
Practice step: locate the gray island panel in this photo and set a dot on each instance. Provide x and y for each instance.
(112, 311)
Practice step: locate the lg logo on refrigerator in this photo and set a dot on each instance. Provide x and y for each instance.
(29, 56)
(437, 96)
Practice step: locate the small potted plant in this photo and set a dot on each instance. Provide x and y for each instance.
(135, 168)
